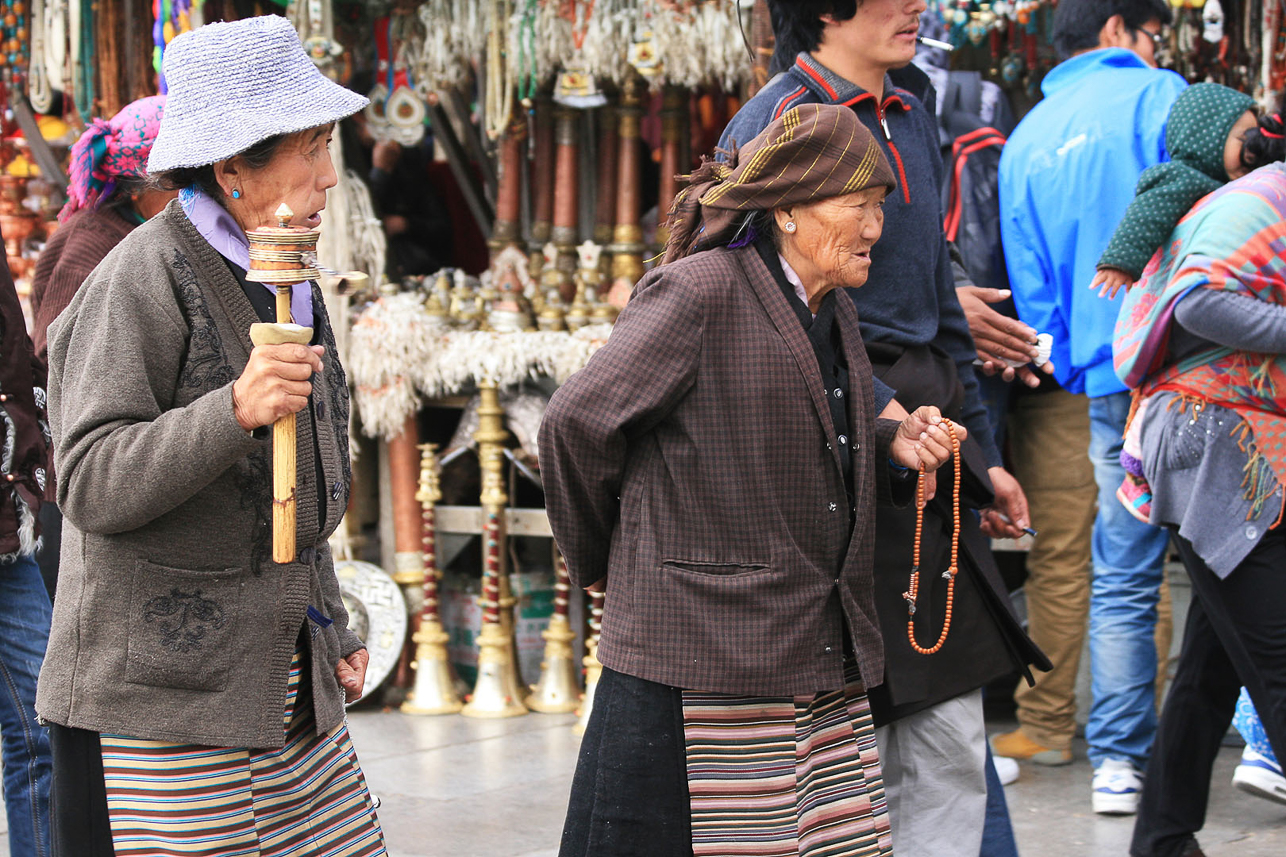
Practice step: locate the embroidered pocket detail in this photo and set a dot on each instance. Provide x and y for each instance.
(183, 618)
(181, 626)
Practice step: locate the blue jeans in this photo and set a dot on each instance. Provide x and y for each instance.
(997, 831)
(1128, 557)
(24, 744)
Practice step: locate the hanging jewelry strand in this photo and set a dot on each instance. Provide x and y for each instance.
(950, 574)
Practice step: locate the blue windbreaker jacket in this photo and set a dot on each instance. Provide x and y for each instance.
(1067, 175)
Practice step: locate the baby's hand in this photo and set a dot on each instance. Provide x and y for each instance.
(1108, 281)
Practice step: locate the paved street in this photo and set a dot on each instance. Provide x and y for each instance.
(453, 787)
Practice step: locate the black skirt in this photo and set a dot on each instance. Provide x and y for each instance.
(630, 792)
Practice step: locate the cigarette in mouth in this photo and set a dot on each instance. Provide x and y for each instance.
(934, 43)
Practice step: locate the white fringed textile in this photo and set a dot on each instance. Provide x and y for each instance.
(696, 46)
(400, 355)
(455, 36)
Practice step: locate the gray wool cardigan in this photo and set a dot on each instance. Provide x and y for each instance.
(172, 622)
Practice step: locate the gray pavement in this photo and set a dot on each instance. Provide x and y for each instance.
(455, 787)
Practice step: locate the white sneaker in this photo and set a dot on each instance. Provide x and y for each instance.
(1259, 776)
(1117, 785)
(1006, 769)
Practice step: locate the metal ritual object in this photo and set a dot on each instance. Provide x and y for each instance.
(434, 689)
(557, 692)
(498, 691)
(377, 614)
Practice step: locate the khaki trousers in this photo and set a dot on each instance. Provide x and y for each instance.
(1049, 439)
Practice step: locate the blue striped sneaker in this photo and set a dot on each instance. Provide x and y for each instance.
(1117, 785)
(1260, 776)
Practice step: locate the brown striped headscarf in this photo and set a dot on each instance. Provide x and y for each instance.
(810, 153)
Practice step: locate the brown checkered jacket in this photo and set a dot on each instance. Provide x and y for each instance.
(691, 463)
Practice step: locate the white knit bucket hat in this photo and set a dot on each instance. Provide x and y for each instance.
(236, 84)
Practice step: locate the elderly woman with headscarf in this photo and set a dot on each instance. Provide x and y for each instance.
(195, 687)
(107, 196)
(715, 466)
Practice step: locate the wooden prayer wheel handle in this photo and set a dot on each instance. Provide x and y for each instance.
(283, 447)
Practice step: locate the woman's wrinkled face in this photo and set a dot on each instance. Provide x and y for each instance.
(835, 236)
(298, 175)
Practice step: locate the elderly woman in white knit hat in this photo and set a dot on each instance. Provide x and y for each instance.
(194, 687)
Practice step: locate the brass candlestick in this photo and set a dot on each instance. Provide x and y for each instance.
(541, 169)
(498, 691)
(556, 692)
(593, 667)
(627, 247)
(434, 689)
(404, 462)
(566, 197)
(672, 115)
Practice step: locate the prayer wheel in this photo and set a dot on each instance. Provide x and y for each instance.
(283, 256)
(507, 231)
(605, 186)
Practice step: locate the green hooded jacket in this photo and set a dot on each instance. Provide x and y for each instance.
(1196, 132)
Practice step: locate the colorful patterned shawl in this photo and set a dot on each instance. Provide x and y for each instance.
(1233, 240)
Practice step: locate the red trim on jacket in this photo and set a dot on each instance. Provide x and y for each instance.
(897, 156)
(888, 136)
(821, 81)
(785, 102)
(894, 98)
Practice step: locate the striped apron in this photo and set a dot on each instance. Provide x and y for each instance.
(183, 800)
(780, 777)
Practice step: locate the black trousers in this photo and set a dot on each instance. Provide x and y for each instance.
(630, 791)
(78, 796)
(1236, 635)
(51, 536)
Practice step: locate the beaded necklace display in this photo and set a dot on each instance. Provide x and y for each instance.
(16, 43)
(950, 574)
(499, 94)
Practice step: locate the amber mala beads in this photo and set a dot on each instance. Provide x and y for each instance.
(950, 574)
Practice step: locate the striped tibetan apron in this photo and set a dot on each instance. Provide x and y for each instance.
(779, 777)
(307, 798)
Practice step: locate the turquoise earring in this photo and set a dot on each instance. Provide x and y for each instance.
(236, 194)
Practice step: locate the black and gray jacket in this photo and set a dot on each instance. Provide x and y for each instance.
(24, 459)
(172, 621)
